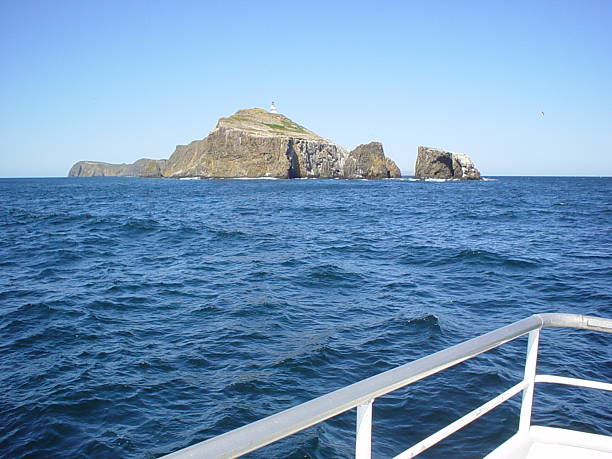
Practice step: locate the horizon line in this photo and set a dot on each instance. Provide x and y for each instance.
(411, 174)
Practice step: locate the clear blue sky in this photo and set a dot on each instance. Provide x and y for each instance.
(116, 81)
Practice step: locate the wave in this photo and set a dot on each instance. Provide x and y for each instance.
(140, 225)
(485, 257)
(437, 257)
(332, 275)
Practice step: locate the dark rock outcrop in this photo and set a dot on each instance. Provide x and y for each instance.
(369, 162)
(432, 163)
(257, 143)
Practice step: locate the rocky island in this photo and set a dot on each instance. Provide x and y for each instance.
(256, 143)
(432, 163)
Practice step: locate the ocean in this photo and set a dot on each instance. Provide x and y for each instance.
(139, 316)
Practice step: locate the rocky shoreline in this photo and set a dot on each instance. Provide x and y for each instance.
(255, 143)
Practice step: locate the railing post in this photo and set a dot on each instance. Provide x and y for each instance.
(529, 378)
(363, 437)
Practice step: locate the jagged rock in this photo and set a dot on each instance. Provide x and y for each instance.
(432, 163)
(141, 168)
(257, 143)
(369, 162)
(464, 168)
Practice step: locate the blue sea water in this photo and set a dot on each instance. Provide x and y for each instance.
(139, 316)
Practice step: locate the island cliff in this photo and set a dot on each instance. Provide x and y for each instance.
(432, 163)
(256, 143)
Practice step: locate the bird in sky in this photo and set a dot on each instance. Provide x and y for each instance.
(542, 113)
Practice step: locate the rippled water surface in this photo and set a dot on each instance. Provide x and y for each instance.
(139, 316)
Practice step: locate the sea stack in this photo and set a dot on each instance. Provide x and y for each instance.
(258, 143)
(369, 162)
(432, 163)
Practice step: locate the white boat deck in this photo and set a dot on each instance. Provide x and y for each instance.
(554, 443)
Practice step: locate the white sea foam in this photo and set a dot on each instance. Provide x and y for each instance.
(254, 178)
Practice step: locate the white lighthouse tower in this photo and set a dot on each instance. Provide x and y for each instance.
(273, 108)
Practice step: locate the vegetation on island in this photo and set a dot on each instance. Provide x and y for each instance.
(287, 126)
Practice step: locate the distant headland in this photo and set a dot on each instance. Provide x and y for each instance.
(256, 143)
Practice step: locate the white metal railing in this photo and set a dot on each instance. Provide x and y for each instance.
(363, 393)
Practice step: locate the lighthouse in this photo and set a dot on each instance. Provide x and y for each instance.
(273, 108)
